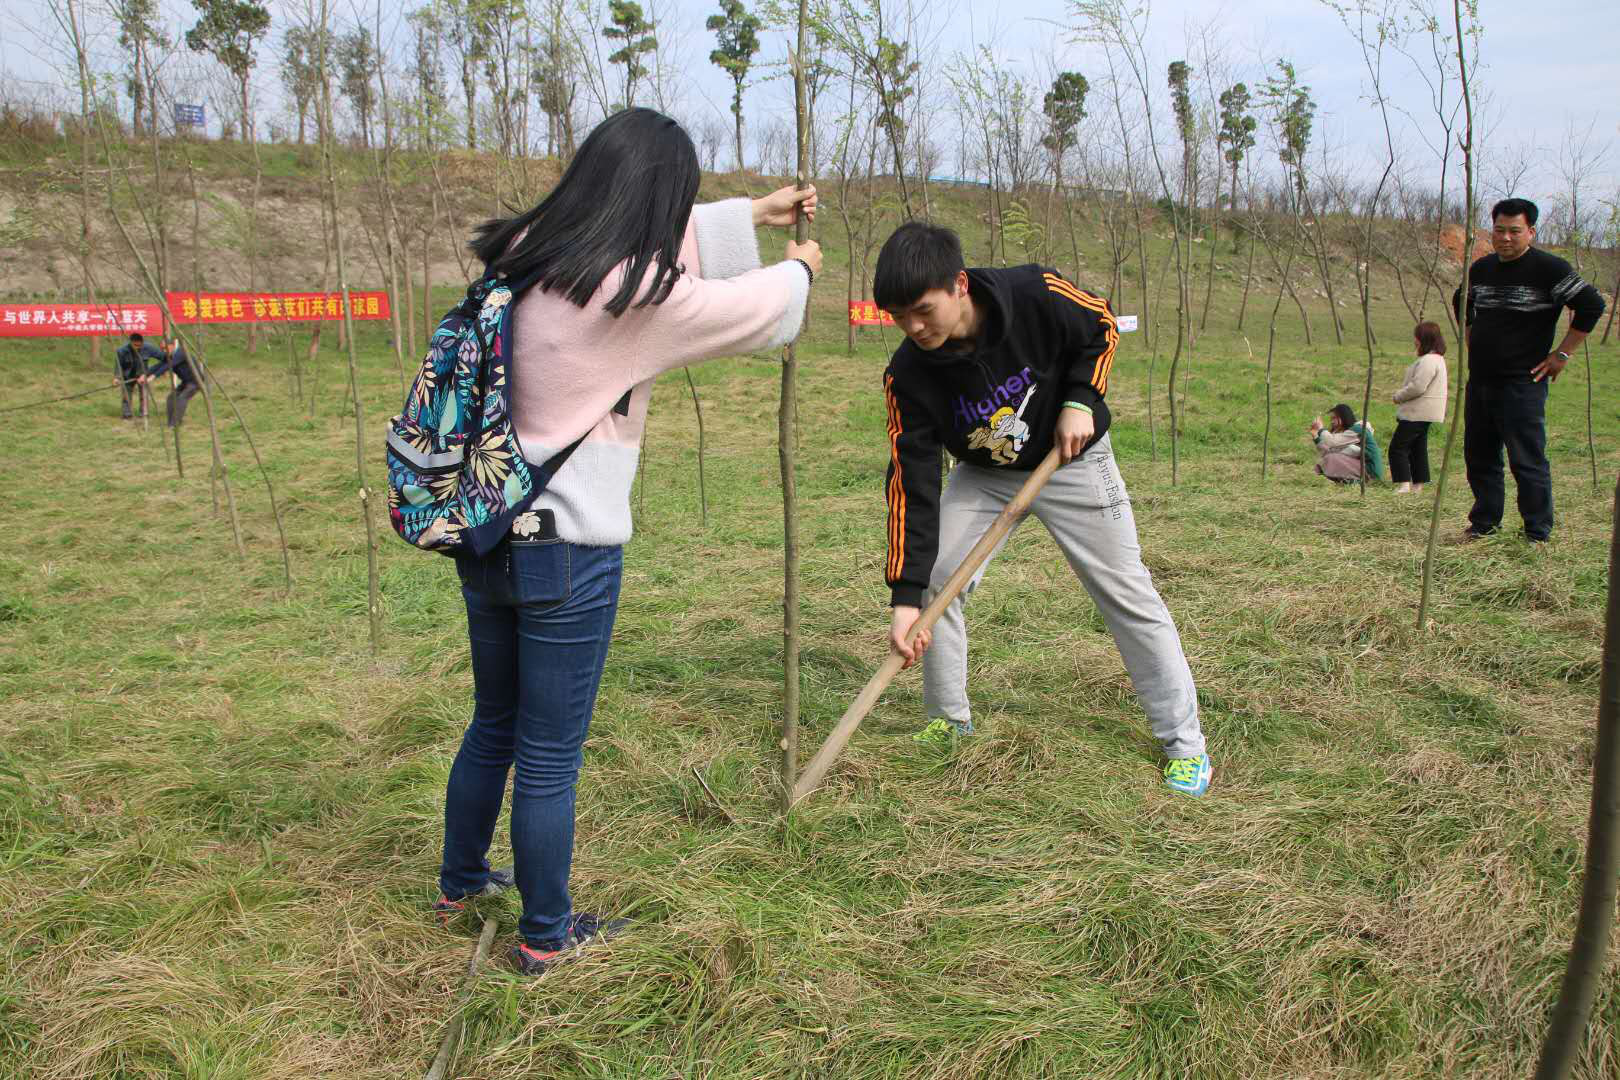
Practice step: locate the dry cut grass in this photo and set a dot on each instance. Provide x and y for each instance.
(220, 817)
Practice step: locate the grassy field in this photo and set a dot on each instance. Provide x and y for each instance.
(220, 814)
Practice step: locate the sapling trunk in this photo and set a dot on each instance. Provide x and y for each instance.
(1265, 439)
(200, 368)
(1248, 276)
(1372, 54)
(373, 601)
(427, 281)
(1609, 325)
(1588, 952)
(1462, 315)
(87, 248)
(1591, 445)
(1214, 245)
(697, 406)
(787, 440)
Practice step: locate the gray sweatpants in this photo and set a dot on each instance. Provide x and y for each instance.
(1088, 512)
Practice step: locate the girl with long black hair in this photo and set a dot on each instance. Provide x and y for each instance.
(633, 280)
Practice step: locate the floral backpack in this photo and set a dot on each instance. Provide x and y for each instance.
(456, 475)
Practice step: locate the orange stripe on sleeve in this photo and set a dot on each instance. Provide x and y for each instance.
(1099, 306)
(1079, 296)
(897, 491)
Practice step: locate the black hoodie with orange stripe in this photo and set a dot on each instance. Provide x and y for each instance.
(995, 404)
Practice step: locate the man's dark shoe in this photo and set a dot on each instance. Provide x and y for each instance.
(447, 910)
(586, 931)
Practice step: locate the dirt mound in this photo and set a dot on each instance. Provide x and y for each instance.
(1451, 242)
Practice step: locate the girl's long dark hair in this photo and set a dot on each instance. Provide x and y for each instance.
(1346, 415)
(627, 196)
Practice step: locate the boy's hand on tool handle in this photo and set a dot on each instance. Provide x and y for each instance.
(1074, 429)
(899, 627)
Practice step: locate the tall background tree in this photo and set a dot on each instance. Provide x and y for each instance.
(556, 78)
(505, 70)
(736, 29)
(635, 31)
(1064, 106)
(230, 31)
(140, 34)
(466, 29)
(357, 68)
(299, 75)
(431, 100)
(1295, 113)
(1235, 139)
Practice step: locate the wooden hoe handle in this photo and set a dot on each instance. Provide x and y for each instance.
(1011, 514)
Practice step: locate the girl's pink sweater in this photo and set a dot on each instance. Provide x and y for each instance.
(580, 371)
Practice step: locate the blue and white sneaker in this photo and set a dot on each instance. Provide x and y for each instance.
(583, 932)
(1190, 776)
(447, 910)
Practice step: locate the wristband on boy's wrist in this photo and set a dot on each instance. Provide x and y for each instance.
(811, 274)
(1078, 405)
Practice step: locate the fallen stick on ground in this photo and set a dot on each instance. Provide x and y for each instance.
(64, 397)
(1010, 515)
(452, 1034)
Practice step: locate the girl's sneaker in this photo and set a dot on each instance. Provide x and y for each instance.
(584, 931)
(447, 910)
(1190, 776)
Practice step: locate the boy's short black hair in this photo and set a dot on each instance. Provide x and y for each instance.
(917, 258)
(1515, 207)
(137, 337)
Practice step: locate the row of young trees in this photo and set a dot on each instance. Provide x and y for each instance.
(1133, 148)
(1230, 159)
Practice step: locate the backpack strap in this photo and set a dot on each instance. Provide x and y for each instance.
(519, 287)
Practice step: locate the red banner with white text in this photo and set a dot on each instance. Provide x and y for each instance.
(867, 313)
(79, 320)
(213, 307)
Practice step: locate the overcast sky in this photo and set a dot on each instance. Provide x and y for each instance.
(1548, 68)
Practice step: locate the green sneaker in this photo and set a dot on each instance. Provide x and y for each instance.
(942, 733)
(1190, 776)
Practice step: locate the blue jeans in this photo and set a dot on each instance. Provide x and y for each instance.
(1510, 415)
(539, 617)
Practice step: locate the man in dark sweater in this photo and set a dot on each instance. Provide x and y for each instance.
(131, 366)
(1515, 297)
(999, 367)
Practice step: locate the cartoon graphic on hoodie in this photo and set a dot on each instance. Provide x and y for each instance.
(1006, 433)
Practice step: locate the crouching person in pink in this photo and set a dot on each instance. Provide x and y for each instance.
(1339, 447)
(633, 281)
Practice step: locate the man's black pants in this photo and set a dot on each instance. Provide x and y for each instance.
(1510, 415)
(130, 391)
(178, 399)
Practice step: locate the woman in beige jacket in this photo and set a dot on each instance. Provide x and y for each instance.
(1421, 401)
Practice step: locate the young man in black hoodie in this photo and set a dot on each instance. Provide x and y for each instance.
(1000, 366)
(1516, 295)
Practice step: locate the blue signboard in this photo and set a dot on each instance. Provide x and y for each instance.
(188, 116)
